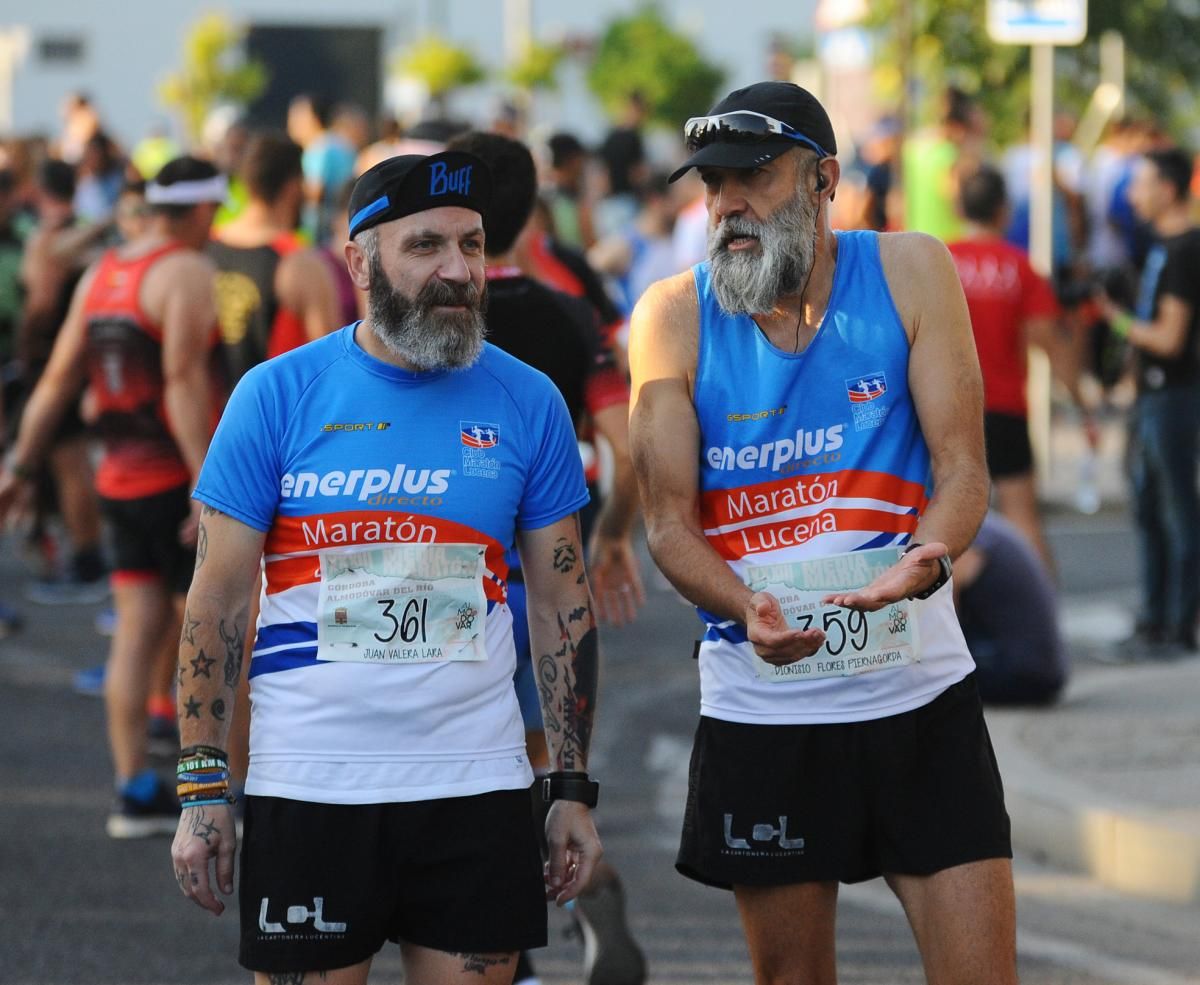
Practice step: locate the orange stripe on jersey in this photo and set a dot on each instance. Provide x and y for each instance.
(291, 535)
(736, 544)
(720, 507)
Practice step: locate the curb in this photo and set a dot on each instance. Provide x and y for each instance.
(1127, 847)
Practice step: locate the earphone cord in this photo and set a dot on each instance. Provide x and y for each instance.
(804, 290)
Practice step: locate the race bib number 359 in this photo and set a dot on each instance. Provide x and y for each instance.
(855, 642)
(409, 603)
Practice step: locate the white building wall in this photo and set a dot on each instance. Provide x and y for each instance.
(132, 44)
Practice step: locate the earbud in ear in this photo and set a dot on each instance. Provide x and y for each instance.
(822, 181)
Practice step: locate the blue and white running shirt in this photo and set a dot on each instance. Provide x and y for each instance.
(388, 499)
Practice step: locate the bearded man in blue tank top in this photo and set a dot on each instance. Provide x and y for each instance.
(807, 429)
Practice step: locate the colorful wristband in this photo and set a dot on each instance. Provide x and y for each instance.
(206, 803)
(203, 751)
(191, 765)
(210, 776)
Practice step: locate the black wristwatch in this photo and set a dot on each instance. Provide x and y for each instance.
(575, 786)
(947, 569)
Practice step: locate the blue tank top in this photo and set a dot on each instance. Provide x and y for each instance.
(806, 455)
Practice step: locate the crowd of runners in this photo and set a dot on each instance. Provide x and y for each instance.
(362, 430)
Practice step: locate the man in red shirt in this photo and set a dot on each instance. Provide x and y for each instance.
(1011, 307)
(141, 331)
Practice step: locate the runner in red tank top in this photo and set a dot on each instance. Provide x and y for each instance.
(142, 329)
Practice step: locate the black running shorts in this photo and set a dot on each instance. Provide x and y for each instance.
(145, 539)
(1006, 443)
(323, 886)
(911, 794)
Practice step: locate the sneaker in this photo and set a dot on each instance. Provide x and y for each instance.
(68, 591)
(138, 817)
(90, 682)
(1143, 645)
(610, 954)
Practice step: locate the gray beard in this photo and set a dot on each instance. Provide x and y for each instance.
(752, 282)
(426, 339)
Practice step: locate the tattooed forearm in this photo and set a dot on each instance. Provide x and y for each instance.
(480, 964)
(235, 645)
(206, 694)
(567, 683)
(547, 681)
(579, 704)
(565, 556)
(212, 639)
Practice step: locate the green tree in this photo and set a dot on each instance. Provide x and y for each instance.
(215, 70)
(537, 68)
(1162, 46)
(642, 53)
(440, 65)
(950, 45)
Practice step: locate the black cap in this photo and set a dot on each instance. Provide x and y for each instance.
(783, 101)
(412, 183)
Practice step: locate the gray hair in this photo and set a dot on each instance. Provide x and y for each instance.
(368, 242)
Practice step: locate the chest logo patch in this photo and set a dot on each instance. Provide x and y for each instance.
(475, 434)
(479, 439)
(864, 392)
(862, 389)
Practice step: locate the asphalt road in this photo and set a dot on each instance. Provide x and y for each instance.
(76, 907)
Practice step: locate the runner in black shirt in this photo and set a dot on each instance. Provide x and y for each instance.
(557, 334)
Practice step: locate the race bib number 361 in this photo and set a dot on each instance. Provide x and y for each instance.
(409, 603)
(855, 642)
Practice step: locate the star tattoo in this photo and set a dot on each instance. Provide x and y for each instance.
(192, 707)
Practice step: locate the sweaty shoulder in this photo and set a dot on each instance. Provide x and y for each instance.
(185, 276)
(663, 329)
(920, 274)
(183, 263)
(671, 300)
